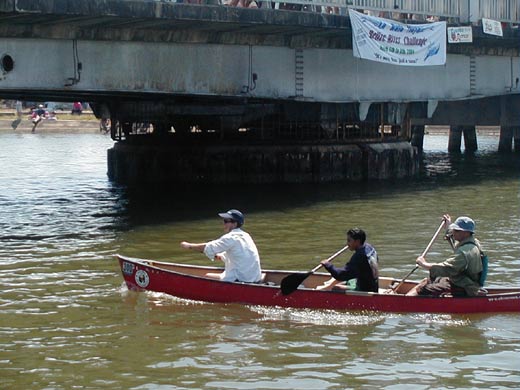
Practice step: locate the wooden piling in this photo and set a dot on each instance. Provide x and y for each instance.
(455, 139)
(516, 136)
(470, 138)
(418, 137)
(505, 142)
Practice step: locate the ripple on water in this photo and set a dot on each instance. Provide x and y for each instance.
(317, 317)
(67, 320)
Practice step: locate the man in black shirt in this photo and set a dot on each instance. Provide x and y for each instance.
(362, 266)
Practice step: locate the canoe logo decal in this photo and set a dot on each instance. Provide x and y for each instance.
(141, 278)
(128, 268)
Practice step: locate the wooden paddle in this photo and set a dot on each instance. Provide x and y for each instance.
(395, 288)
(290, 283)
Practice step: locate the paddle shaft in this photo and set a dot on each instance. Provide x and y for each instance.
(433, 238)
(422, 255)
(330, 258)
(291, 282)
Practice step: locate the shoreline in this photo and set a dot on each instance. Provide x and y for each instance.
(89, 125)
(25, 125)
(84, 123)
(444, 130)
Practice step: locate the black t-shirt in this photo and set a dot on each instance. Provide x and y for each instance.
(359, 268)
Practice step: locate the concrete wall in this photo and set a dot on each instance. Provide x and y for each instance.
(493, 111)
(132, 163)
(223, 70)
(500, 74)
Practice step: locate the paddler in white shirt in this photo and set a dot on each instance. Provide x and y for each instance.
(235, 248)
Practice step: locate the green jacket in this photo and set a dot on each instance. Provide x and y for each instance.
(463, 268)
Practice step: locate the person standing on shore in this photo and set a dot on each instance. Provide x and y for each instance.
(37, 116)
(19, 112)
(77, 108)
(19, 109)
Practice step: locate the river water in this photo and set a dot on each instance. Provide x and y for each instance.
(67, 321)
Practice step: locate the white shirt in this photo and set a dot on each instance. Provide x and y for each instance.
(240, 256)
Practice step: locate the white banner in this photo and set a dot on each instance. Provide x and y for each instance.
(462, 34)
(492, 27)
(391, 42)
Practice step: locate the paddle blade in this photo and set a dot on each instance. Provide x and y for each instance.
(290, 283)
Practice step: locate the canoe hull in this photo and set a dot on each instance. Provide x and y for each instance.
(145, 275)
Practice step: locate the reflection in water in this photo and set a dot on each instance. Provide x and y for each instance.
(317, 317)
(67, 322)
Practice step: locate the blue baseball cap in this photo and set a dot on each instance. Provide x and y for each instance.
(233, 214)
(466, 224)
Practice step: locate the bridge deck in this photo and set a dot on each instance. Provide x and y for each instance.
(153, 59)
(123, 20)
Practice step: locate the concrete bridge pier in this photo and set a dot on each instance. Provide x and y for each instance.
(418, 137)
(470, 138)
(505, 142)
(289, 142)
(160, 159)
(455, 138)
(507, 134)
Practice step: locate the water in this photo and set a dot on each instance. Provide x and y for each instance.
(66, 320)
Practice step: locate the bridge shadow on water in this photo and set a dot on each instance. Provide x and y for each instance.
(176, 202)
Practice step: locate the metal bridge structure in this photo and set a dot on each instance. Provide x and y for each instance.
(207, 76)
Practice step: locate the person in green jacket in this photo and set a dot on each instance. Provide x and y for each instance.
(459, 274)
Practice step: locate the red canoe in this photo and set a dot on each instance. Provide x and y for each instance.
(189, 282)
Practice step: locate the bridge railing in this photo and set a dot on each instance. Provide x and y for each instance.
(501, 10)
(444, 8)
(462, 11)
